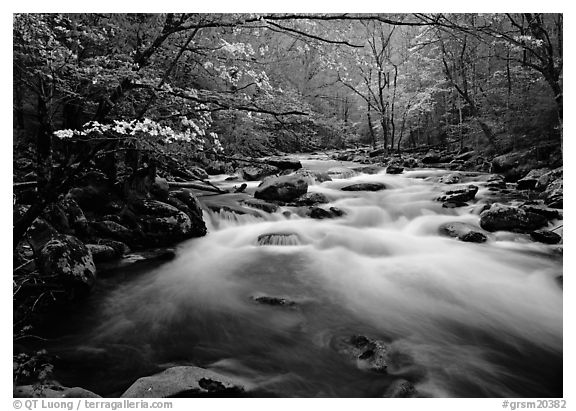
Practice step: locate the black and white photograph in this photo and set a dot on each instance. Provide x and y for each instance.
(287, 205)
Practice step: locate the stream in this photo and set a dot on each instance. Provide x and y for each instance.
(459, 319)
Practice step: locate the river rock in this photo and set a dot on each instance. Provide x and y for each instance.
(102, 252)
(68, 258)
(184, 381)
(431, 157)
(114, 230)
(364, 187)
(319, 213)
(216, 167)
(400, 388)
(377, 152)
(283, 188)
(163, 223)
(451, 178)
(409, 162)
(501, 217)
(274, 301)
(160, 188)
(254, 173)
(463, 231)
(528, 182)
(368, 169)
(549, 213)
(460, 194)
(366, 353)
(547, 178)
(51, 391)
(310, 199)
(394, 169)
(554, 194)
(546, 236)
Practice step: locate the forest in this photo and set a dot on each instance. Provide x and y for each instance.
(146, 143)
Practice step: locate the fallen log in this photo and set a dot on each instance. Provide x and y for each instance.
(196, 186)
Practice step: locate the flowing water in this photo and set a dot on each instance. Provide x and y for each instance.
(460, 319)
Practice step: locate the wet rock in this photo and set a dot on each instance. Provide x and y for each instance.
(184, 381)
(216, 167)
(431, 157)
(365, 352)
(285, 239)
(163, 223)
(549, 213)
(454, 204)
(462, 231)
(261, 205)
(253, 173)
(400, 388)
(336, 212)
(51, 391)
(394, 169)
(507, 161)
(283, 188)
(310, 199)
(501, 217)
(364, 187)
(114, 230)
(160, 188)
(460, 194)
(274, 301)
(528, 182)
(319, 213)
(101, 252)
(451, 178)
(548, 178)
(410, 162)
(377, 152)
(67, 258)
(199, 173)
(546, 236)
(554, 194)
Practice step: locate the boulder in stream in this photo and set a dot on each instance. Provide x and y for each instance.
(364, 187)
(366, 353)
(546, 236)
(554, 194)
(67, 258)
(460, 194)
(502, 217)
(186, 382)
(394, 169)
(255, 173)
(284, 188)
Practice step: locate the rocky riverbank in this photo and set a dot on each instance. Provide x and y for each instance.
(100, 221)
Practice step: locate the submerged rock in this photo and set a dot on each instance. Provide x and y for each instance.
(184, 381)
(364, 187)
(261, 205)
(501, 217)
(283, 188)
(366, 353)
(400, 388)
(274, 301)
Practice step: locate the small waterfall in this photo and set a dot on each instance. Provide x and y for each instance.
(284, 239)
